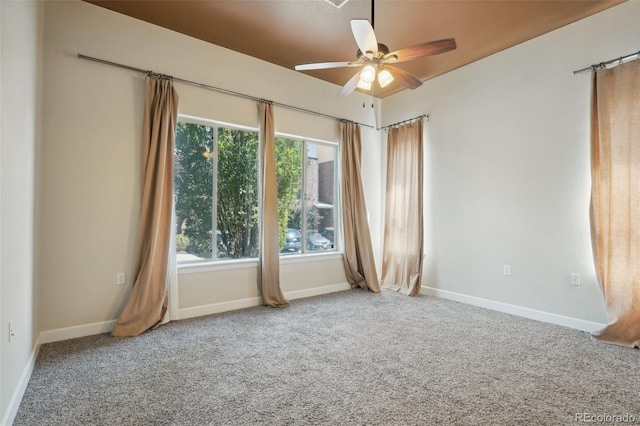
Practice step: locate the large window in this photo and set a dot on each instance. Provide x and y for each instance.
(216, 193)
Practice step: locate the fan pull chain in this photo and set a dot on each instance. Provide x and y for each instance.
(364, 103)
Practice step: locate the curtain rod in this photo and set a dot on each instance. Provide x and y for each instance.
(217, 89)
(603, 65)
(404, 121)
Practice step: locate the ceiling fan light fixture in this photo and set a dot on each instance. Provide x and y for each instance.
(385, 78)
(368, 74)
(364, 85)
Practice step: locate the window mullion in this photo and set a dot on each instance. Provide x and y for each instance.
(214, 209)
(303, 210)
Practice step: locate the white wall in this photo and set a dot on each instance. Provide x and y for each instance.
(20, 48)
(507, 171)
(90, 172)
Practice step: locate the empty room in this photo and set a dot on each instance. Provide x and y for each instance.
(319, 212)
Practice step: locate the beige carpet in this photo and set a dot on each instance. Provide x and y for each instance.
(349, 358)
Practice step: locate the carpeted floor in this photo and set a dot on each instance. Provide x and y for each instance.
(348, 358)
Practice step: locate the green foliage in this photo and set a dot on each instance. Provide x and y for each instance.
(295, 217)
(194, 186)
(182, 242)
(238, 192)
(237, 188)
(313, 217)
(289, 181)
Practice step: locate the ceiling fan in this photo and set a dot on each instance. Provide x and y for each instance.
(375, 59)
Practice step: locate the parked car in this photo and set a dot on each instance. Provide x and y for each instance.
(293, 241)
(328, 234)
(315, 241)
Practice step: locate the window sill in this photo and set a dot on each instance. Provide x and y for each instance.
(307, 257)
(218, 265)
(225, 265)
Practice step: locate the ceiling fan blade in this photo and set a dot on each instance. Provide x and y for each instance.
(365, 37)
(327, 65)
(423, 49)
(404, 78)
(350, 86)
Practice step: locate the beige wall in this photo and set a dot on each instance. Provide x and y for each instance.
(507, 171)
(20, 48)
(90, 176)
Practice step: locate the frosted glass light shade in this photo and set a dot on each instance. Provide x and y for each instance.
(364, 85)
(385, 78)
(368, 74)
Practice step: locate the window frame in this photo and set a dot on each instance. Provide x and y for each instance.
(337, 224)
(215, 263)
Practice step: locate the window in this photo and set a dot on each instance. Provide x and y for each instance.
(307, 212)
(216, 193)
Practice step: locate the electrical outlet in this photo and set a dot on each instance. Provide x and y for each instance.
(507, 270)
(12, 332)
(575, 279)
(120, 278)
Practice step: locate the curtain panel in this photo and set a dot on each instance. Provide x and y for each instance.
(360, 267)
(269, 257)
(403, 225)
(148, 301)
(615, 199)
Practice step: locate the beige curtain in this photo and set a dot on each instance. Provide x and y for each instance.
(359, 263)
(403, 233)
(269, 260)
(615, 198)
(148, 300)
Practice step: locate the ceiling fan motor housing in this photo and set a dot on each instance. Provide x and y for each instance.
(383, 50)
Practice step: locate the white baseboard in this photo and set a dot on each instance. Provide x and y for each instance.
(197, 311)
(316, 291)
(232, 305)
(66, 333)
(59, 334)
(18, 393)
(215, 308)
(576, 323)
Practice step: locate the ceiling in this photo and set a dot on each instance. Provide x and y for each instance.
(291, 32)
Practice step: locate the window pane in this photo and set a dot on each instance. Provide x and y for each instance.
(320, 197)
(289, 181)
(193, 177)
(216, 193)
(237, 188)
